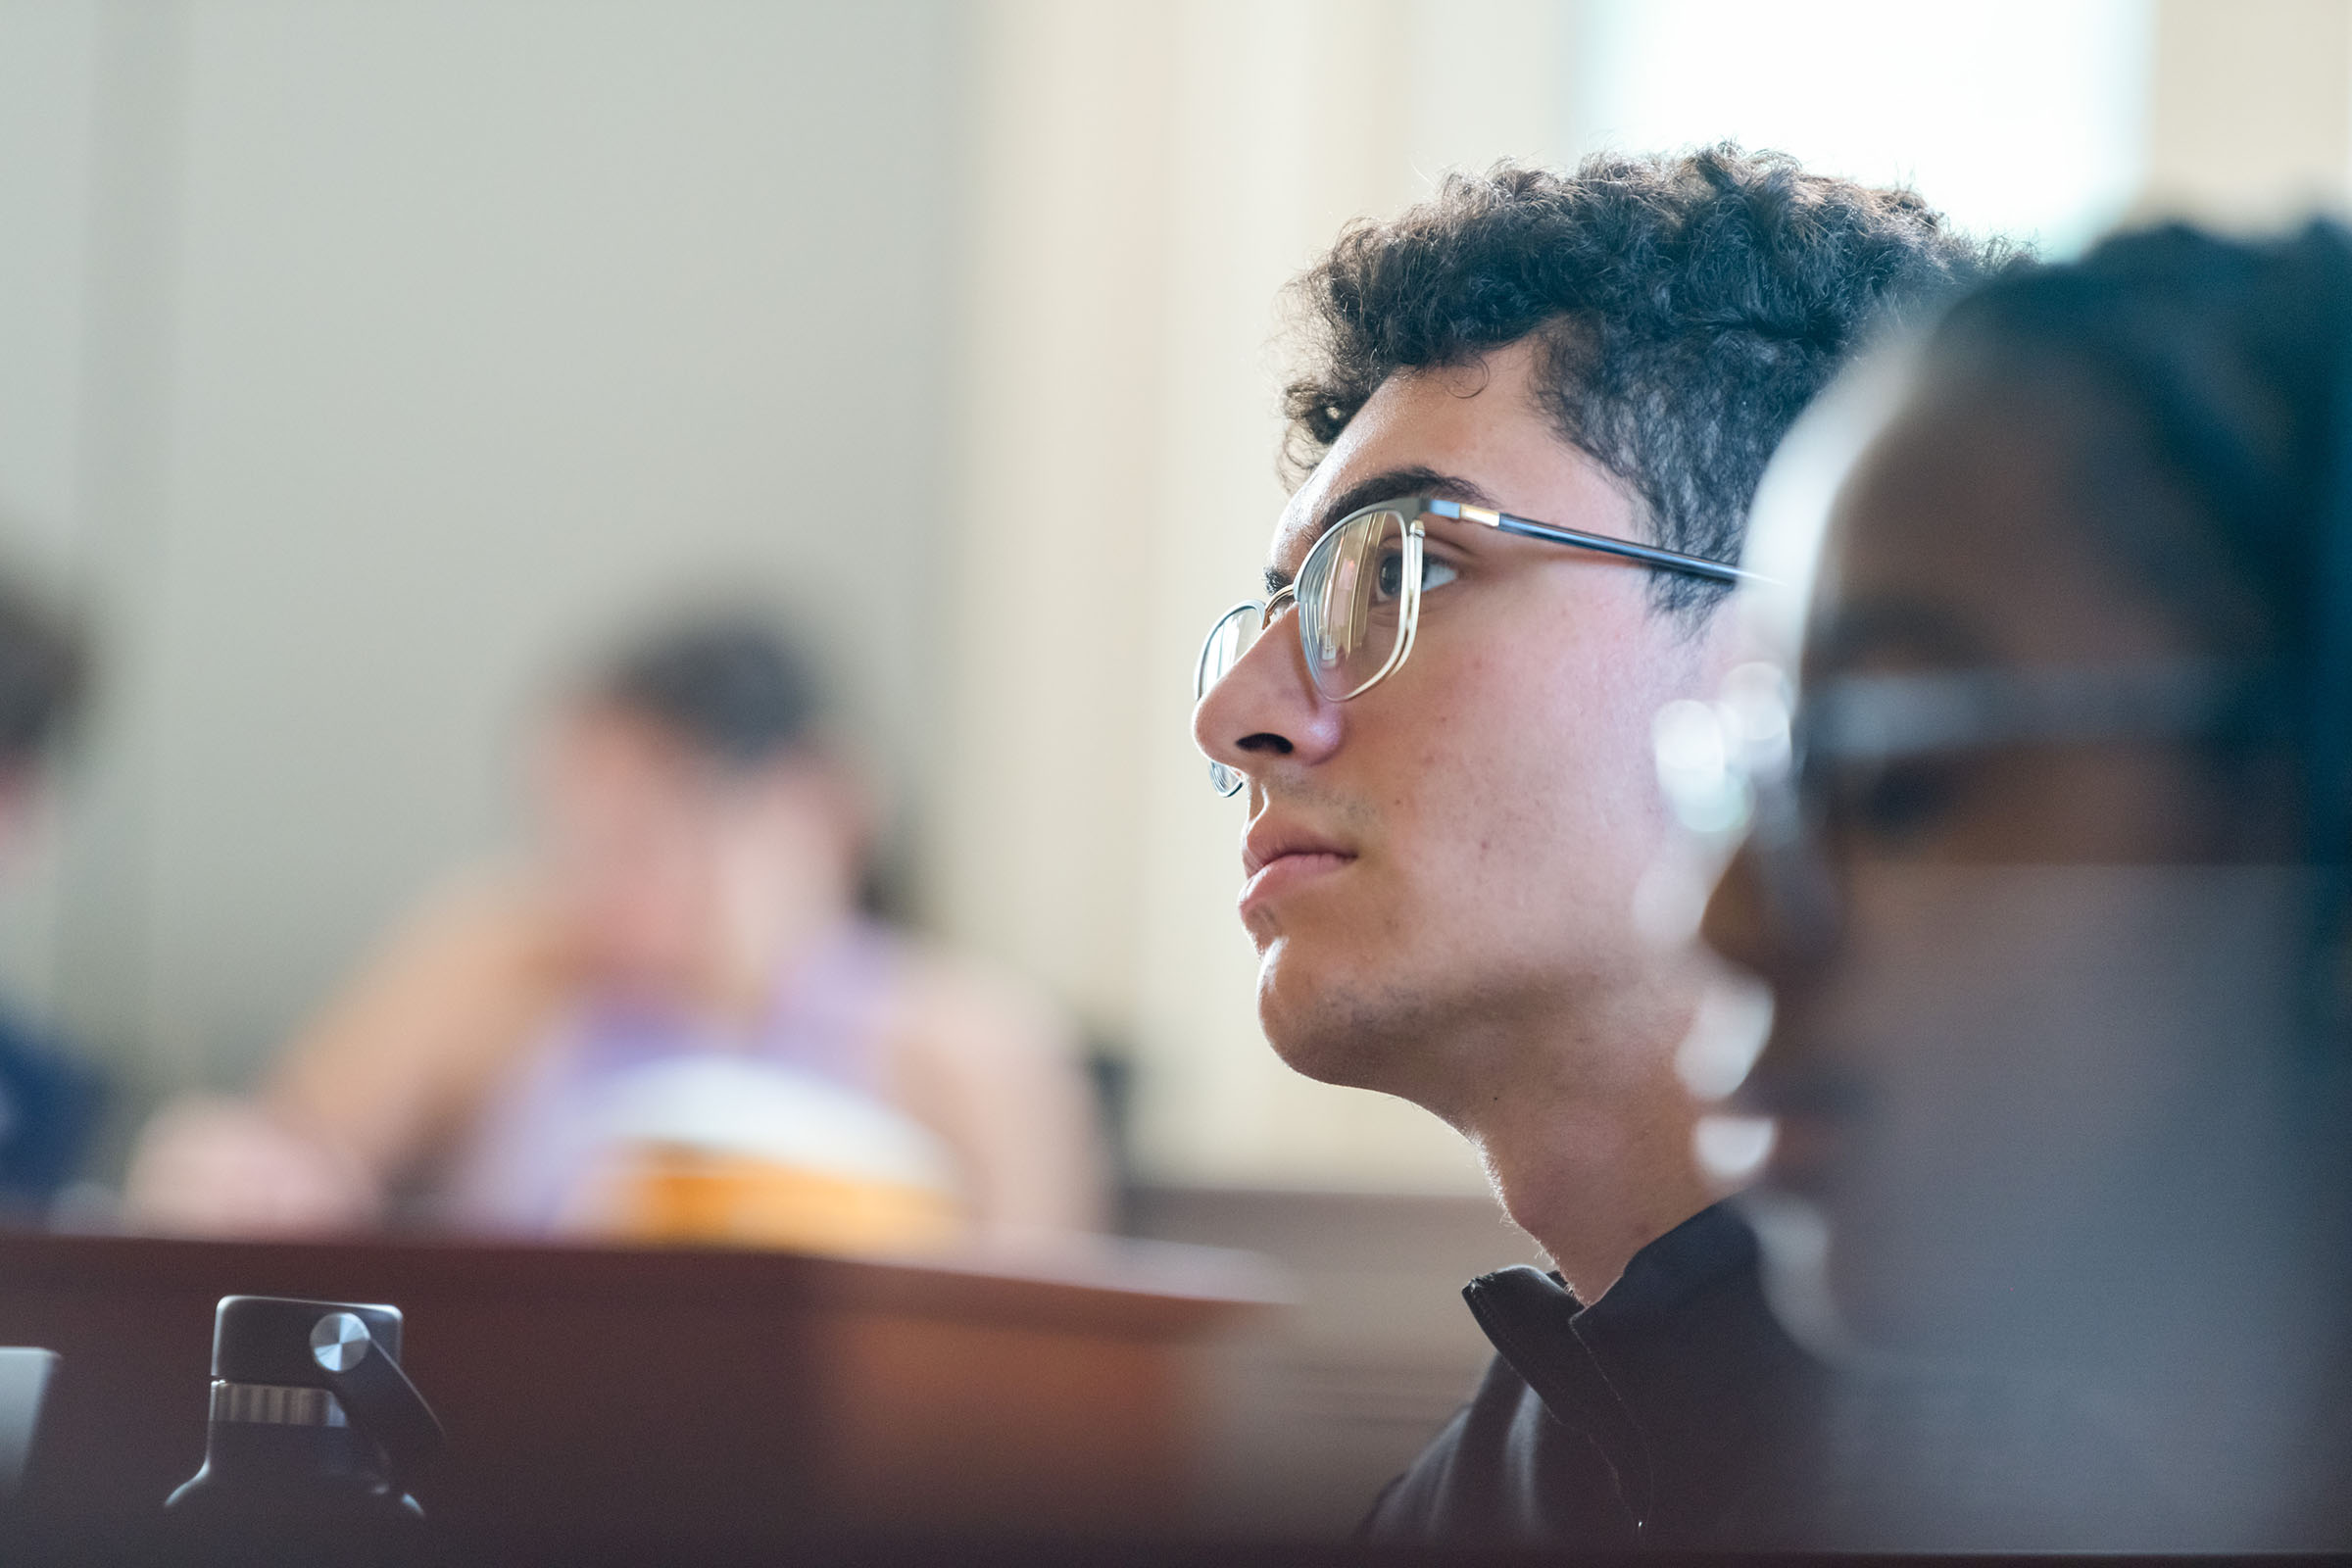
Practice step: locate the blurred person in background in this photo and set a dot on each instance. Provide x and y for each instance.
(672, 1023)
(1445, 736)
(49, 1098)
(2048, 878)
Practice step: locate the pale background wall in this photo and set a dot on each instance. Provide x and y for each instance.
(359, 360)
(358, 357)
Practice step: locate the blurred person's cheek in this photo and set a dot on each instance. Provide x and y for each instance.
(754, 891)
(784, 872)
(642, 906)
(2031, 1069)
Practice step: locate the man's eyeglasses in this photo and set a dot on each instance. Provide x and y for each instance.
(1358, 597)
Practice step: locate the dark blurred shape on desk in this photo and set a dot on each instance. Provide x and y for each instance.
(672, 1020)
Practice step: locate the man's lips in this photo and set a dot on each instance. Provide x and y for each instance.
(1287, 871)
(1277, 858)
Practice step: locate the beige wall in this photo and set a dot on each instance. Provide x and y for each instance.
(2250, 110)
(375, 356)
(1148, 179)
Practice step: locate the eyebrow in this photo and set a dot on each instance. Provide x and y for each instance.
(1391, 485)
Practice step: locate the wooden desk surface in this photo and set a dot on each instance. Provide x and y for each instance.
(593, 1394)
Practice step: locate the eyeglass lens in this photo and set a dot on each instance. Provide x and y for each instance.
(1232, 637)
(1351, 603)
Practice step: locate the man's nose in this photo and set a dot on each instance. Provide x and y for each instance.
(1266, 715)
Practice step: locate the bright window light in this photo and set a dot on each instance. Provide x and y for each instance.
(2016, 117)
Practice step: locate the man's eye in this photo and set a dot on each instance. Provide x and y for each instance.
(1390, 582)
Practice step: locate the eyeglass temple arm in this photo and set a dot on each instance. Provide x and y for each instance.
(1648, 555)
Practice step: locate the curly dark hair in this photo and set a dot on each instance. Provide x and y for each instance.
(1688, 308)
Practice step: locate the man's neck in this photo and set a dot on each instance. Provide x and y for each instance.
(1595, 1167)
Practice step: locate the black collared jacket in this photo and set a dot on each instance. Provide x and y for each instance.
(1674, 1413)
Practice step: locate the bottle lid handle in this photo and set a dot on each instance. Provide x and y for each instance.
(377, 1394)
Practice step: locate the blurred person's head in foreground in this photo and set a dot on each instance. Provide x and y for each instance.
(2052, 894)
(698, 819)
(1442, 850)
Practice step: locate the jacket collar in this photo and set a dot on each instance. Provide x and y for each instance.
(1577, 1359)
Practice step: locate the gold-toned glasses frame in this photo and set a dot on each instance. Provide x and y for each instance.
(1409, 511)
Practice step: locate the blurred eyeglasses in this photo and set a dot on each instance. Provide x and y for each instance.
(1358, 597)
(1755, 762)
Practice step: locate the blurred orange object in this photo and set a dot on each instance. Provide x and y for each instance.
(669, 1193)
(715, 1149)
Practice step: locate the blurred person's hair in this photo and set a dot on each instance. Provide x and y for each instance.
(44, 674)
(1686, 309)
(2230, 361)
(734, 686)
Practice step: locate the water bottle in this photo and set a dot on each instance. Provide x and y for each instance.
(314, 1432)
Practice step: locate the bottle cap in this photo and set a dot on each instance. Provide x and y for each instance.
(267, 1339)
(350, 1348)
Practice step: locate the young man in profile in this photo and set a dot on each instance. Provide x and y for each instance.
(1554, 396)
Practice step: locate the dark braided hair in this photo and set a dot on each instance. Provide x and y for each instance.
(2235, 359)
(1689, 308)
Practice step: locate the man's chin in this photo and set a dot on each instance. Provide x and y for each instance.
(1324, 1058)
(1335, 1027)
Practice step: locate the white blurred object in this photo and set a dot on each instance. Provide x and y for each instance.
(23, 1378)
(711, 1148)
(1732, 1149)
(1726, 1036)
(2014, 116)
